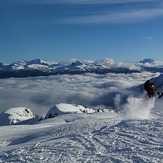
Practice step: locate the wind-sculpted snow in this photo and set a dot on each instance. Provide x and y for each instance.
(98, 137)
(15, 115)
(64, 108)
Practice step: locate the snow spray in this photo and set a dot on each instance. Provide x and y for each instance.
(117, 101)
(138, 108)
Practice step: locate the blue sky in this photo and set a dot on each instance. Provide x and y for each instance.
(125, 30)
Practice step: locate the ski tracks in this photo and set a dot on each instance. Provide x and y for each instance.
(92, 140)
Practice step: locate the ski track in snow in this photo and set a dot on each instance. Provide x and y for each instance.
(99, 137)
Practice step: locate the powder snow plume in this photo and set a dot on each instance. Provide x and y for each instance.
(138, 108)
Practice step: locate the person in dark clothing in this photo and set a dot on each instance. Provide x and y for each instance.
(146, 86)
(150, 88)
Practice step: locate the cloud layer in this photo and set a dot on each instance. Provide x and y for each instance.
(92, 90)
(95, 11)
(101, 1)
(129, 16)
(86, 2)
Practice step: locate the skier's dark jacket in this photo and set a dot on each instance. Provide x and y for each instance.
(150, 88)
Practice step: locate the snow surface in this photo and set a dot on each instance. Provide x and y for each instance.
(87, 137)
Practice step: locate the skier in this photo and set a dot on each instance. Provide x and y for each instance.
(150, 88)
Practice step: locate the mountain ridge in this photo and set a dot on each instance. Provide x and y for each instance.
(39, 67)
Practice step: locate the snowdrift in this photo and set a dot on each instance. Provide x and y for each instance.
(131, 110)
(24, 116)
(64, 108)
(15, 115)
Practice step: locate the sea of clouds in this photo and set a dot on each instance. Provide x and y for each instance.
(91, 90)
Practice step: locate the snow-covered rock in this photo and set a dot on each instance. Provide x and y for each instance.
(64, 108)
(14, 115)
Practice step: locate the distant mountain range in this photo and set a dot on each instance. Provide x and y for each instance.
(40, 67)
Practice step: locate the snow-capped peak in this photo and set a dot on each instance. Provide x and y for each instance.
(40, 61)
(147, 60)
(40, 67)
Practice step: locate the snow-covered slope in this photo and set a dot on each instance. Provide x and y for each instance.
(96, 137)
(15, 115)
